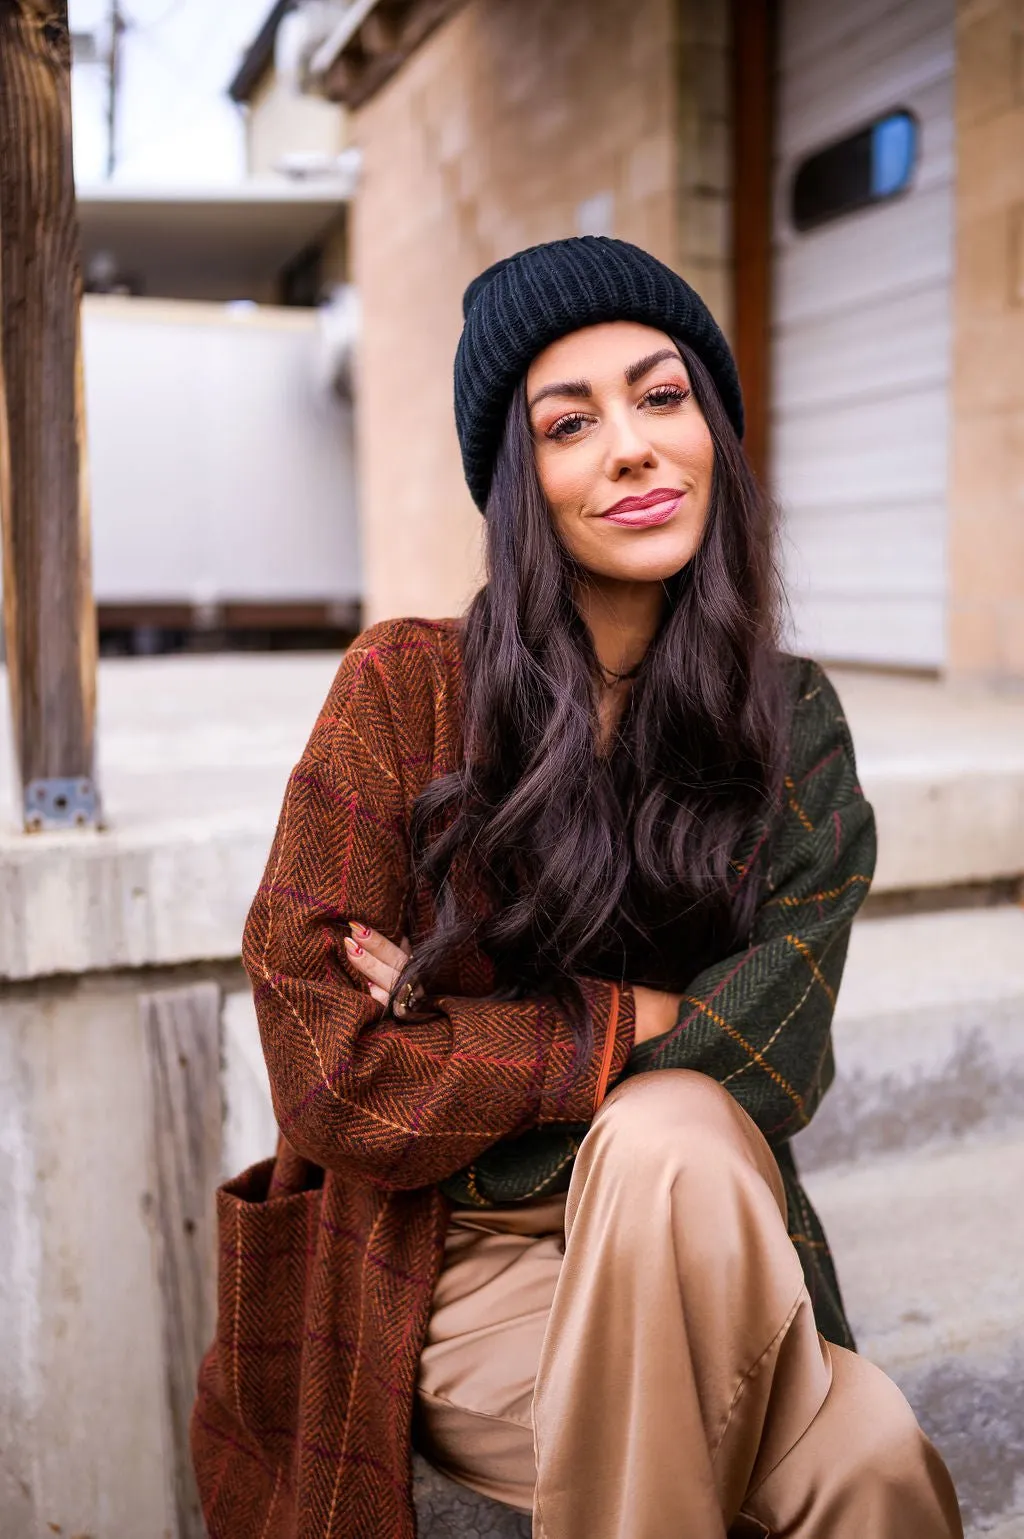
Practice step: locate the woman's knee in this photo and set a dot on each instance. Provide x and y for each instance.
(677, 1123)
(669, 1102)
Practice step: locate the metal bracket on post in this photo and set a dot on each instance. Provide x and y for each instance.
(57, 803)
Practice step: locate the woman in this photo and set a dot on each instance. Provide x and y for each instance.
(598, 846)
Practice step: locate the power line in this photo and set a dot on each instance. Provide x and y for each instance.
(181, 72)
(117, 27)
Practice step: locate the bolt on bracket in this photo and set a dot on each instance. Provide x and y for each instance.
(57, 803)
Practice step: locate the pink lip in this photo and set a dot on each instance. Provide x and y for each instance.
(656, 507)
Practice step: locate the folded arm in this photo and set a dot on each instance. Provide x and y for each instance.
(403, 1104)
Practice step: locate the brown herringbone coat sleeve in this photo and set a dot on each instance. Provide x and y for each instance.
(399, 1104)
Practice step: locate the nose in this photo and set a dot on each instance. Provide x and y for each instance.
(628, 447)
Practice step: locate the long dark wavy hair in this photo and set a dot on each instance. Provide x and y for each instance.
(618, 863)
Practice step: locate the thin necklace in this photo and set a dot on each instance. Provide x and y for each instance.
(610, 673)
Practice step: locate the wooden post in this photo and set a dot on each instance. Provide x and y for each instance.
(181, 1030)
(753, 114)
(49, 615)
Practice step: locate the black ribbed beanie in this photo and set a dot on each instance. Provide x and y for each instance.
(519, 306)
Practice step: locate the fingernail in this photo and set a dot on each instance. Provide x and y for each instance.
(356, 951)
(360, 929)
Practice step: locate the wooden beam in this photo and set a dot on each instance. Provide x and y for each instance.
(364, 54)
(379, 34)
(181, 1033)
(49, 616)
(754, 24)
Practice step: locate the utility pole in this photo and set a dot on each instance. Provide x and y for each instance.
(49, 614)
(117, 25)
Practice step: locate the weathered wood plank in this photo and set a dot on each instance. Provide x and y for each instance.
(49, 614)
(182, 1035)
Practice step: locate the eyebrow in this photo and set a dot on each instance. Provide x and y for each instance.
(580, 389)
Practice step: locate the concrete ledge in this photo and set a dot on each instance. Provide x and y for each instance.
(943, 765)
(88, 902)
(194, 756)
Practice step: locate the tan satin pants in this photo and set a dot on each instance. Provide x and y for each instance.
(663, 1378)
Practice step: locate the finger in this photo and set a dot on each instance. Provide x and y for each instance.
(378, 945)
(379, 994)
(406, 945)
(369, 965)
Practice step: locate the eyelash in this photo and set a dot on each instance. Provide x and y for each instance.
(673, 395)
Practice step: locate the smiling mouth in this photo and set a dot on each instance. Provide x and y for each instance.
(656, 507)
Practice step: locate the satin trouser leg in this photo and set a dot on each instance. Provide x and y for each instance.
(682, 1373)
(679, 1383)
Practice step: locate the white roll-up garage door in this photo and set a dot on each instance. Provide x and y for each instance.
(861, 337)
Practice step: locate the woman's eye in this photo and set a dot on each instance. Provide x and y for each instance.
(666, 395)
(565, 427)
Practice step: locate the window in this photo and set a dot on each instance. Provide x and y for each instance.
(870, 166)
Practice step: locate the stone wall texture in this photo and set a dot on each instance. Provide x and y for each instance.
(987, 408)
(518, 121)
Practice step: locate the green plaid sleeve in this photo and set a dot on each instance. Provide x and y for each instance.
(760, 1021)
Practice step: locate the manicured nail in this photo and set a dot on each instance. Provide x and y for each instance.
(356, 951)
(360, 929)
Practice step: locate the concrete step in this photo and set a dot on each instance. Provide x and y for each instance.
(942, 763)
(929, 1247)
(445, 1510)
(929, 1035)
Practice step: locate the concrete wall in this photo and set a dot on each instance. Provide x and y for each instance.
(987, 490)
(518, 121)
(106, 1199)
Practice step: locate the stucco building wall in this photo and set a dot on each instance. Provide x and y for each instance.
(987, 406)
(518, 121)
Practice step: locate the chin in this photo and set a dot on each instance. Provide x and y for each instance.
(644, 566)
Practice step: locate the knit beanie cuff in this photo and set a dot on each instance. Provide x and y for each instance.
(522, 304)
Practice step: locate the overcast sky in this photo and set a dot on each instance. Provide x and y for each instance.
(176, 123)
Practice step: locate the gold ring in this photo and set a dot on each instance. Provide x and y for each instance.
(404, 1001)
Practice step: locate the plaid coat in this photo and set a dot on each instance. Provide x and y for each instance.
(329, 1254)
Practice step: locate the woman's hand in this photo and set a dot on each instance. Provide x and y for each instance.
(380, 962)
(656, 1012)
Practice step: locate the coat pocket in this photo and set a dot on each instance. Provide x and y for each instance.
(266, 1245)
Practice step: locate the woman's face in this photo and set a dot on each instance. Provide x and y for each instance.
(623, 452)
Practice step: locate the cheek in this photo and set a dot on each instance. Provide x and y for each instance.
(564, 479)
(691, 448)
